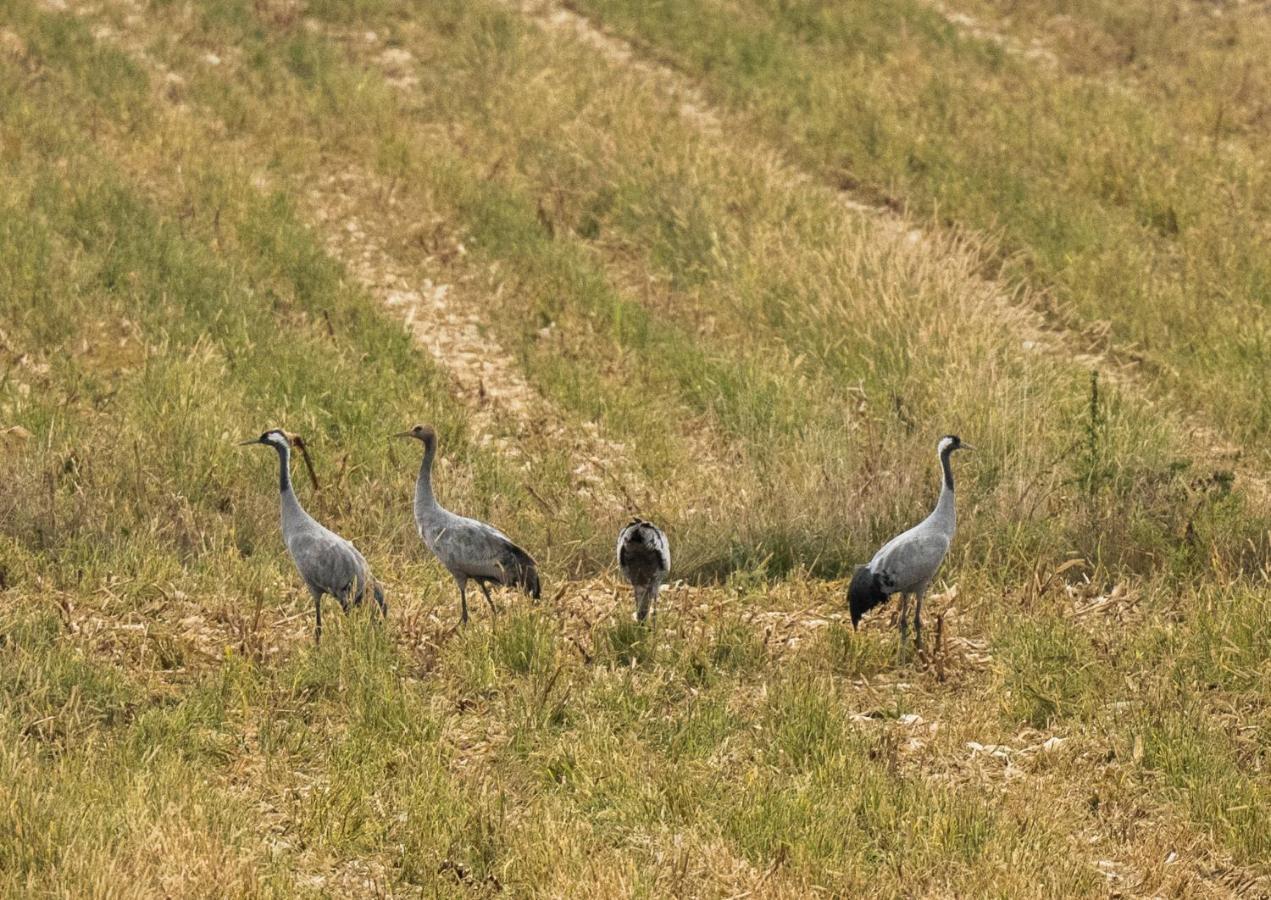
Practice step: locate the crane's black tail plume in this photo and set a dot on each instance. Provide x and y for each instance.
(864, 593)
(528, 582)
(519, 569)
(378, 590)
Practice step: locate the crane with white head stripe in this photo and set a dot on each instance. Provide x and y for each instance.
(908, 562)
(327, 562)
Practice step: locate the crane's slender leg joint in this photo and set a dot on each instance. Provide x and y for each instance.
(463, 600)
(494, 610)
(904, 620)
(317, 618)
(922, 592)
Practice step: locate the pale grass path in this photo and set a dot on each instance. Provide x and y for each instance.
(1023, 311)
(1034, 50)
(358, 216)
(447, 320)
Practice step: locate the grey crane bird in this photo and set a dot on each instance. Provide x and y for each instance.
(644, 556)
(908, 562)
(468, 548)
(327, 562)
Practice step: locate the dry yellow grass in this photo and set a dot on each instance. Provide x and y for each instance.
(221, 228)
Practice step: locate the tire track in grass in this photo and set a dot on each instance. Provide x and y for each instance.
(444, 319)
(1021, 310)
(713, 457)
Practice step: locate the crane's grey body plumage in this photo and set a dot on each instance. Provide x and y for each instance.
(469, 549)
(907, 563)
(644, 556)
(327, 563)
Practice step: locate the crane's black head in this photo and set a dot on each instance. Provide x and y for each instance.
(864, 593)
(951, 442)
(423, 433)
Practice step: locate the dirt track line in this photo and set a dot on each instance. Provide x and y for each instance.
(443, 320)
(1022, 310)
(970, 25)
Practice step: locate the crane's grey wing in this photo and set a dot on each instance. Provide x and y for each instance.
(623, 536)
(326, 561)
(662, 546)
(478, 550)
(910, 561)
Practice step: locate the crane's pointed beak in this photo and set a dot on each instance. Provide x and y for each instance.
(965, 446)
(252, 441)
(405, 434)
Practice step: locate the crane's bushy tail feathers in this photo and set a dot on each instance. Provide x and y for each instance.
(529, 582)
(378, 589)
(520, 570)
(864, 593)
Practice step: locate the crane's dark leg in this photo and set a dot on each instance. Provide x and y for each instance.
(463, 600)
(904, 620)
(317, 616)
(494, 610)
(918, 618)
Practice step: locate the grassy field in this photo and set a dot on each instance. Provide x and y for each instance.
(733, 266)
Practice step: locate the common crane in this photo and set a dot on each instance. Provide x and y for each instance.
(644, 556)
(327, 562)
(908, 562)
(466, 547)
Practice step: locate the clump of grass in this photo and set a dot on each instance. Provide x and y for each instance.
(1049, 670)
(525, 643)
(625, 643)
(729, 647)
(852, 653)
(803, 724)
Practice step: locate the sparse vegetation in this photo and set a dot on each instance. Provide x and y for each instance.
(215, 217)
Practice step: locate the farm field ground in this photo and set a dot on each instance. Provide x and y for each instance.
(732, 265)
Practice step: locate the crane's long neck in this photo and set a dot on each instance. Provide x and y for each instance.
(290, 505)
(425, 502)
(944, 511)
